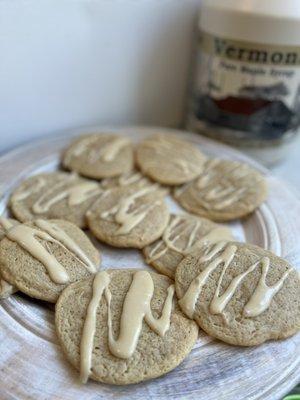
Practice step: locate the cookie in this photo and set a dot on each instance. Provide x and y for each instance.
(42, 257)
(239, 293)
(56, 195)
(225, 190)
(169, 160)
(123, 326)
(183, 235)
(129, 216)
(6, 289)
(99, 155)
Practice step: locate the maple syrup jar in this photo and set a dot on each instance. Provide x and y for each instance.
(247, 79)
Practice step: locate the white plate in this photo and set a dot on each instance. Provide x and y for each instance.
(32, 364)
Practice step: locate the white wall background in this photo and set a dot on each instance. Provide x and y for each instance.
(68, 63)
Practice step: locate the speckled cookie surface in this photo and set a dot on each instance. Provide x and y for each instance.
(129, 216)
(21, 269)
(153, 356)
(6, 289)
(55, 195)
(233, 305)
(169, 160)
(225, 190)
(99, 155)
(183, 235)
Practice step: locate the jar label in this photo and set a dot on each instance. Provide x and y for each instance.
(250, 88)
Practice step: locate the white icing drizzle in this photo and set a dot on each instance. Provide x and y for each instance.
(109, 150)
(128, 217)
(158, 250)
(61, 236)
(263, 294)
(76, 194)
(180, 226)
(186, 166)
(34, 188)
(258, 302)
(130, 178)
(177, 152)
(126, 179)
(6, 224)
(27, 237)
(100, 283)
(136, 309)
(80, 147)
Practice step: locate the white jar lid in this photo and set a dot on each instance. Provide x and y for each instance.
(261, 21)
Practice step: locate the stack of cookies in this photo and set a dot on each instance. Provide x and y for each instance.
(124, 326)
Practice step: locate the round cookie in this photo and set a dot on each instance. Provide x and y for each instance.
(169, 160)
(102, 353)
(42, 257)
(225, 190)
(129, 216)
(183, 235)
(99, 155)
(58, 195)
(240, 293)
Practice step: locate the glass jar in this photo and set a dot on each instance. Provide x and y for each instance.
(246, 90)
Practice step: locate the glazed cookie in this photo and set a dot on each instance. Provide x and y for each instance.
(225, 190)
(239, 293)
(129, 216)
(99, 155)
(42, 257)
(12, 221)
(169, 160)
(56, 195)
(6, 289)
(183, 235)
(123, 326)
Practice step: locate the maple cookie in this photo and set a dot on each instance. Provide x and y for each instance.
(99, 155)
(169, 160)
(183, 235)
(55, 195)
(239, 293)
(129, 216)
(123, 326)
(42, 257)
(225, 190)
(6, 289)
